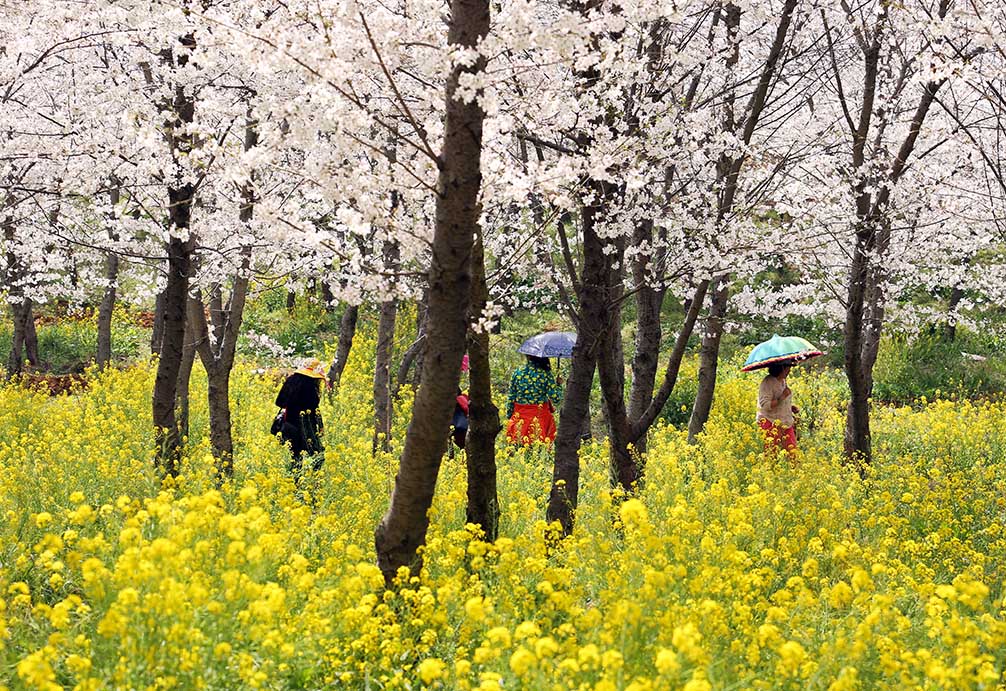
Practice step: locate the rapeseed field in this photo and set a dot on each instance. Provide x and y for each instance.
(729, 570)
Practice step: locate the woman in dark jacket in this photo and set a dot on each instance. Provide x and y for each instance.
(302, 426)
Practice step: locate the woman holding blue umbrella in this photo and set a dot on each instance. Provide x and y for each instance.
(534, 392)
(776, 413)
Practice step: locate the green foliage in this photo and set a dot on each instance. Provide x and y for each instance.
(929, 364)
(301, 332)
(69, 343)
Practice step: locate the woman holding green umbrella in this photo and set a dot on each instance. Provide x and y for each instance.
(776, 413)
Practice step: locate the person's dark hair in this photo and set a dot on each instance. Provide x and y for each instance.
(776, 368)
(540, 362)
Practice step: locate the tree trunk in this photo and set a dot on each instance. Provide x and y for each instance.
(221, 440)
(645, 360)
(347, 330)
(217, 353)
(105, 310)
(403, 528)
(327, 297)
(563, 497)
(20, 340)
(382, 375)
(950, 328)
(483, 416)
(107, 306)
(31, 337)
(709, 355)
(593, 317)
(173, 346)
(184, 379)
(291, 301)
(857, 421)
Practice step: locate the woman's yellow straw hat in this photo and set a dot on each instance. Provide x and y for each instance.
(312, 367)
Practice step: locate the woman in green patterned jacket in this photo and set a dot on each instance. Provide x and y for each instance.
(533, 396)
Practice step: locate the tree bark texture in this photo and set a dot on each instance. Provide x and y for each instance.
(483, 507)
(107, 306)
(864, 303)
(403, 528)
(217, 353)
(709, 355)
(24, 343)
(179, 113)
(347, 330)
(592, 315)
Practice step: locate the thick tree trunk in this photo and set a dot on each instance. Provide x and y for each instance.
(105, 310)
(291, 301)
(592, 321)
(857, 421)
(645, 360)
(382, 375)
(169, 364)
(709, 356)
(563, 497)
(347, 330)
(483, 416)
(403, 528)
(21, 341)
(221, 439)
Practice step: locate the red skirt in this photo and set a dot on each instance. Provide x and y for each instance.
(531, 423)
(778, 438)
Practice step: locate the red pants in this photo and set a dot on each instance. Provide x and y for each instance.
(778, 438)
(531, 423)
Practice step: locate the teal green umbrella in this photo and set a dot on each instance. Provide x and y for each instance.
(780, 349)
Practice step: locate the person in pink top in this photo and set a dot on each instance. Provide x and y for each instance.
(776, 412)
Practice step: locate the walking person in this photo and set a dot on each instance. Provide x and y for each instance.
(533, 397)
(299, 422)
(776, 412)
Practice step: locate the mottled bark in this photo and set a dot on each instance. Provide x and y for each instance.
(591, 322)
(347, 330)
(107, 306)
(709, 355)
(217, 354)
(864, 303)
(23, 346)
(483, 507)
(645, 359)
(403, 528)
(179, 113)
